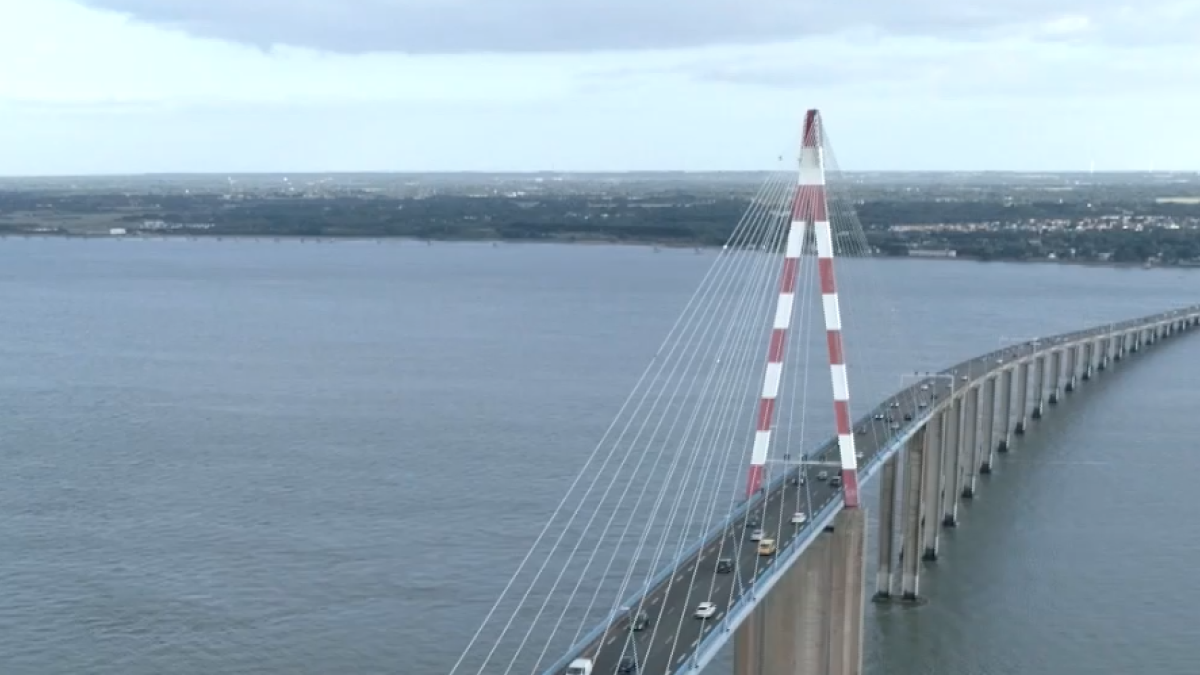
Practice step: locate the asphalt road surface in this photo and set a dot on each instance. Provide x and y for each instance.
(674, 631)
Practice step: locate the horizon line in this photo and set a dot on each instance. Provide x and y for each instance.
(614, 172)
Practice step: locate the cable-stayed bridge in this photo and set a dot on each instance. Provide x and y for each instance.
(710, 512)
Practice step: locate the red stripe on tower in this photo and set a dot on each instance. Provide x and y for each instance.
(813, 208)
(775, 350)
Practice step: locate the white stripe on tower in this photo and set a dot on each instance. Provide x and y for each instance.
(811, 205)
(774, 374)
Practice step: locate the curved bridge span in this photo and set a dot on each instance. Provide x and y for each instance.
(800, 609)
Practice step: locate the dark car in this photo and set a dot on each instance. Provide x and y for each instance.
(724, 565)
(627, 665)
(907, 417)
(640, 622)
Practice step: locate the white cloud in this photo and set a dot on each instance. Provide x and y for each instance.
(462, 26)
(84, 91)
(55, 53)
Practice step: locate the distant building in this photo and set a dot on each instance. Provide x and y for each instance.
(932, 253)
(117, 232)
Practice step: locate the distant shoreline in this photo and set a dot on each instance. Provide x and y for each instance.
(576, 242)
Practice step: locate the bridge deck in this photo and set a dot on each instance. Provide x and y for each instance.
(672, 641)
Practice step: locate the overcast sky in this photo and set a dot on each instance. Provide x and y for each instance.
(132, 86)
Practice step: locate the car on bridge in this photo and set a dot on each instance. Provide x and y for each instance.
(799, 518)
(640, 622)
(706, 610)
(725, 565)
(766, 547)
(580, 667)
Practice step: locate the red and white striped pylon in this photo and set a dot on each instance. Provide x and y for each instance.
(809, 207)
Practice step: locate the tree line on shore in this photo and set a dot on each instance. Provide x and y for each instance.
(680, 219)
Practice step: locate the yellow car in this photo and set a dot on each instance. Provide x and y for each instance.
(766, 547)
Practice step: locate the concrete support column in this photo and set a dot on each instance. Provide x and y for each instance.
(781, 614)
(889, 519)
(1022, 398)
(748, 640)
(967, 466)
(1039, 387)
(790, 631)
(1005, 412)
(932, 484)
(849, 556)
(912, 510)
(1089, 360)
(1055, 379)
(1072, 367)
(951, 457)
(987, 421)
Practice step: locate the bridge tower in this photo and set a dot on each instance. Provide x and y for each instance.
(812, 624)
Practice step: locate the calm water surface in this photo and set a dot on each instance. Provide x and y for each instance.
(304, 459)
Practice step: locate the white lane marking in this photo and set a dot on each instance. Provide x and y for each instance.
(654, 600)
(697, 640)
(681, 659)
(690, 568)
(669, 641)
(718, 616)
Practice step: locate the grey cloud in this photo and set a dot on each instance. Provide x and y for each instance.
(970, 73)
(540, 26)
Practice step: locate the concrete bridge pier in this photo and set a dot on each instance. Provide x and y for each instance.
(912, 505)
(1072, 368)
(889, 517)
(1005, 410)
(987, 436)
(1056, 364)
(951, 458)
(933, 485)
(969, 469)
(1022, 398)
(847, 608)
(748, 640)
(1089, 360)
(1039, 391)
(811, 621)
(789, 630)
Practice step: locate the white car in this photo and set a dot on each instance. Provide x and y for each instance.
(757, 535)
(799, 518)
(706, 610)
(924, 387)
(580, 667)
(964, 378)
